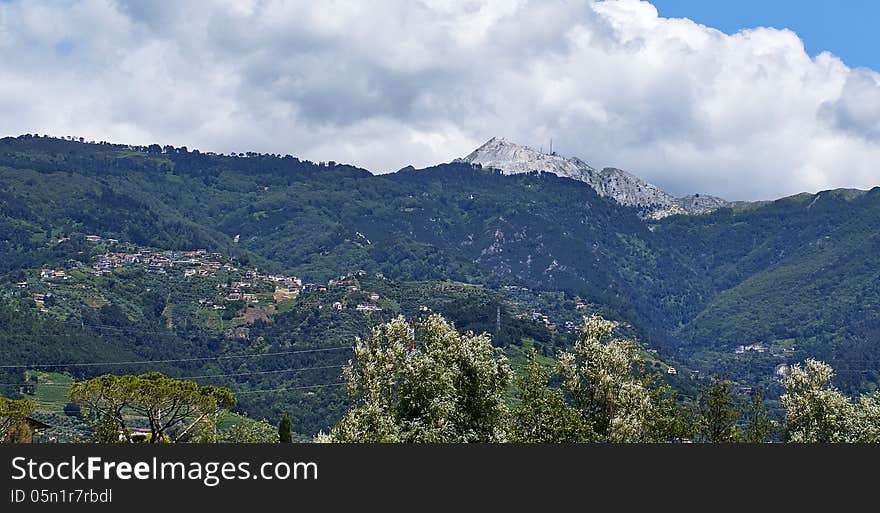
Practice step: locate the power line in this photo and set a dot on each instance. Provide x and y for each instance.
(262, 372)
(204, 376)
(110, 327)
(303, 387)
(173, 360)
(324, 385)
(107, 327)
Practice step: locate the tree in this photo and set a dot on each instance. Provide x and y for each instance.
(815, 411)
(601, 377)
(759, 426)
(864, 423)
(604, 396)
(544, 416)
(104, 399)
(254, 432)
(12, 413)
(427, 384)
(176, 410)
(284, 435)
(719, 414)
(669, 420)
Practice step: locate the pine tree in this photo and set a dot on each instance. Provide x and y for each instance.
(759, 426)
(284, 435)
(719, 415)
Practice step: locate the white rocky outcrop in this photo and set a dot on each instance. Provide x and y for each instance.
(625, 188)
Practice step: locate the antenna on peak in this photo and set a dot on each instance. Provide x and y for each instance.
(551, 146)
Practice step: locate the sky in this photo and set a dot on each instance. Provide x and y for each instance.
(737, 100)
(846, 28)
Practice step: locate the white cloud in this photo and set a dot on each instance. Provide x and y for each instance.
(398, 82)
(857, 109)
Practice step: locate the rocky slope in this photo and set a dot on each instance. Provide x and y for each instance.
(626, 188)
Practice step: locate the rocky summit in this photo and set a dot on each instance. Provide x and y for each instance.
(624, 187)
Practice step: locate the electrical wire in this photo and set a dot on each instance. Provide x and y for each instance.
(204, 376)
(173, 360)
(323, 385)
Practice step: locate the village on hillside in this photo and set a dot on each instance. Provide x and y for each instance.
(233, 282)
(217, 291)
(236, 284)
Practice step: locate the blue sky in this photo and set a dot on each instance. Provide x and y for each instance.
(847, 28)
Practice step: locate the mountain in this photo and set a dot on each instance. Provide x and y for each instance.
(796, 276)
(625, 188)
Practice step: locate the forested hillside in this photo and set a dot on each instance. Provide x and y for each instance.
(787, 280)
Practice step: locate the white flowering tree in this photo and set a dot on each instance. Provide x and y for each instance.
(428, 384)
(864, 424)
(815, 411)
(602, 377)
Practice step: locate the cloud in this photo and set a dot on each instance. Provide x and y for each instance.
(857, 110)
(397, 82)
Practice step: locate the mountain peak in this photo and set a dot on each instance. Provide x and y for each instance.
(622, 186)
(511, 158)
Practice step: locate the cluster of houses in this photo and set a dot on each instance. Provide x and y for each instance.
(349, 281)
(195, 263)
(361, 307)
(285, 287)
(758, 348)
(192, 263)
(202, 263)
(568, 326)
(247, 285)
(51, 277)
(542, 317)
(40, 301)
(50, 274)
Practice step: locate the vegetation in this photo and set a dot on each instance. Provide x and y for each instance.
(425, 384)
(252, 432)
(791, 280)
(601, 397)
(759, 426)
(175, 410)
(720, 415)
(284, 434)
(817, 412)
(544, 415)
(429, 383)
(604, 395)
(12, 414)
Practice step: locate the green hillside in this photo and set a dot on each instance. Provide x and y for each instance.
(796, 277)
